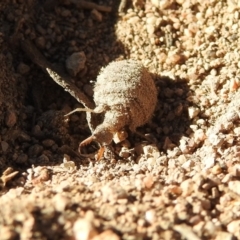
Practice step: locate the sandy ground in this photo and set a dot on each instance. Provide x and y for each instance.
(180, 181)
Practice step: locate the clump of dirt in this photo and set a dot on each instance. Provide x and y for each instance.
(181, 183)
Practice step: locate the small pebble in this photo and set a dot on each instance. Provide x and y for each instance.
(43, 159)
(150, 216)
(40, 42)
(151, 151)
(96, 15)
(107, 234)
(224, 236)
(4, 146)
(88, 89)
(10, 118)
(22, 159)
(233, 227)
(193, 112)
(187, 187)
(23, 68)
(48, 142)
(75, 63)
(83, 229)
(124, 153)
(234, 186)
(35, 150)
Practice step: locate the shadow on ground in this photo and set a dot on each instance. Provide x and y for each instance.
(30, 97)
(171, 120)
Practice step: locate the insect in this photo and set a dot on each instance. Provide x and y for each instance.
(125, 95)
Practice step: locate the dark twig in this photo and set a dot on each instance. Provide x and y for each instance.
(90, 5)
(56, 74)
(63, 80)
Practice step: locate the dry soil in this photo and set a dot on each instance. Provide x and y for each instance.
(180, 182)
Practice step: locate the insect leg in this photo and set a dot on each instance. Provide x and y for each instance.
(79, 110)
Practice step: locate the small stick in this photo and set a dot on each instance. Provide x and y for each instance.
(122, 6)
(62, 79)
(57, 75)
(90, 5)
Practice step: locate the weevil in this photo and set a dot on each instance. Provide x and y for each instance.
(126, 95)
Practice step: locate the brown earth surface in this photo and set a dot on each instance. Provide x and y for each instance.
(182, 181)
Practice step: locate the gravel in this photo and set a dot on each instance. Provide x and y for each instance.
(178, 178)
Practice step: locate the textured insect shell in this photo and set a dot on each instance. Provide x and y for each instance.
(142, 107)
(128, 84)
